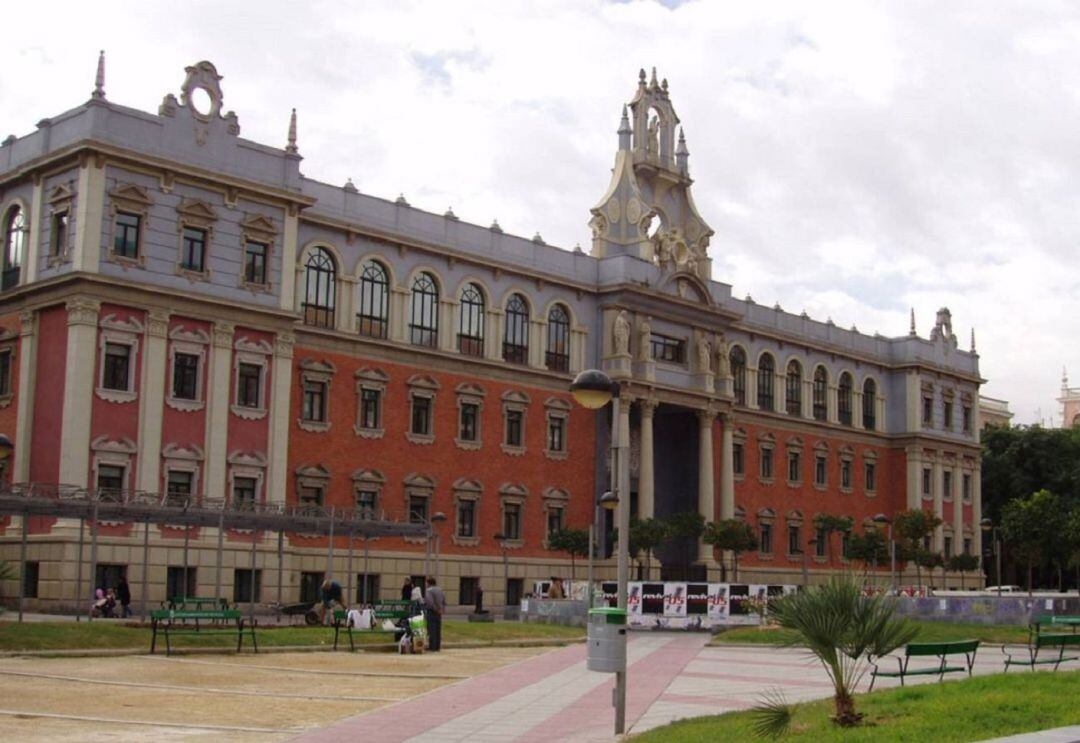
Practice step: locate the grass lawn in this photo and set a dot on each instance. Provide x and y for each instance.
(973, 709)
(112, 634)
(928, 632)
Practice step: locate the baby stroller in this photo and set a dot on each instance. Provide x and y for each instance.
(411, 634)
(104, 604)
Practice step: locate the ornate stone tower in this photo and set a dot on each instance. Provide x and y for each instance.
(648, 211)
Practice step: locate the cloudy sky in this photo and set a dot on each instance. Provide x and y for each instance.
(854, 159)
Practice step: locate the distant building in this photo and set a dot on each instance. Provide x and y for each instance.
(994, 412)
(1070, 402)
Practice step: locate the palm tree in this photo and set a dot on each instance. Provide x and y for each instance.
(842, 627)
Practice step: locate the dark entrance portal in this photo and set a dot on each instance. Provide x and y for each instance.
(675, 447)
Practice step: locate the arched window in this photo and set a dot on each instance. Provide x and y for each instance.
(557, 357)
(738, 374)
(793, 396)
(14, 239)
(821, 394)
(320, 289)
(869, 404)
(843, 399)
(471, 327)
(516, 338)
(373, 316)
(424, 322)
(766, 373)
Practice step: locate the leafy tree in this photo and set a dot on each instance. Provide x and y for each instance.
(646, 535)
(1071, 537)
(929, 559)
(963, 564)
(827, 525)
(912, 528)
(870, 548)
(687, 527)
(575, 542)
(731, 535)
(1032, 528)
(842, 627)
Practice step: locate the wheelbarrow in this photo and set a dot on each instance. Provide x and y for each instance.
(305, 609)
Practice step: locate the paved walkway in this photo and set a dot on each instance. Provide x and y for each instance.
(553, 697)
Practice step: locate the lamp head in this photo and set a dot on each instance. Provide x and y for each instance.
(882, 519)
(438, 518)
(986, 524)
(609, 500)
(592, 389)
(6, 447)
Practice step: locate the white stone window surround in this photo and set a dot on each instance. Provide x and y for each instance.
(554, 498)
(847, 458)
(369, 378)
(870, 457)
(516, 494)
(125, 333)
(467, 490)
(9, 345)
(250, 464)
(739, 439)
(116, 453)
(794, 445)
(418, 486)
(767, 516)
(368, 480)
(177, 458)
(314, 371)
(260, 229)
(557, 408)
(312, 476)
(968, 471)
(132, 199)
(470, 394)
(198, 215)
(821, 450)
(948, 468)
(195, 343)
(767, 443)
(426, 387)
(514, 400)
(794, 518)
(61, 201)
(257, 353)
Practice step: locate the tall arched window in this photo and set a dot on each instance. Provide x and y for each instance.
(793, 396)
(424, 319)
(738, 374)
(821, 394)
(14, 239)
(471, 326)
(373, 316)
(516, 338)
(766, 373)
(320, 289)
(843, 399)
(869, 405)
(557, 357)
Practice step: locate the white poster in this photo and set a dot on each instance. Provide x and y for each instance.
(674, 599)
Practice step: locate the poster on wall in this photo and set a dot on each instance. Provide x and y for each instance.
(674, 599)
(718, 602)
(697, 599)
(652, 598)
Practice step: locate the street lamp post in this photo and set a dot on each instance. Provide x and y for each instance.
(438, 518)
(6, 449)
(988, 525)
(805, 563)
(883, 519)
(593, 389)
(501, 539)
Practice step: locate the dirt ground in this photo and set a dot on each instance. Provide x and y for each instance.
(269, 696)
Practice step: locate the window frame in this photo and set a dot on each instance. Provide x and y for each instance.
(315, 375)
(869, 404)
(254, 354)
(517, 403)
(132, 250)
(318, 301)
(114, 331)
(470, 395)
(766, 382)
(793, 389)
(737, 359)
(373, 300)
(191, 342)
(424, 310)
(845, 393)
(516, 329)
(557, 350)
(472, 317)
(371, 388)
(422, 388)
(820, 394)
(557, 411)
(192, 237)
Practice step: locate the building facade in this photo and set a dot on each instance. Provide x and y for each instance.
(183, 313)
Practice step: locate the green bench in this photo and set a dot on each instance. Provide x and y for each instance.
(1055, 622)
(392, 610)
(197, 603)
(1044, 645)
(186, 622)
(940, 650)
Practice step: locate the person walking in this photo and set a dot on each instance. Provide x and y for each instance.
(435, 605)
(123, 594)
(406, 589)
(331, 598)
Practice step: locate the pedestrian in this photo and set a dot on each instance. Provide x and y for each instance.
(406, 589)
(435, 605)
(556, 590)
(123, 593)
(331, 598)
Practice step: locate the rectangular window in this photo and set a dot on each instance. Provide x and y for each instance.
(185, 376)
(515, 589)
(467, 590)
(310, 586)
(421, 416)
(310, 497)
(967, 545)
(5, 373)
(110, 479)
(765, 545)
(255, 262)
(948, 416)
(555, 519)
(845, 473)
(871, 476)
(845, 544)
(249, 385)
(244, 493)
(794, 540)
(370, 408)
(59, 234)
(820, 470)
(965, 483)
(766, 463)
(367, 501)
(193, 250)
(466, 518)
(927, 481)
(515, 420)
(927, 411)
(512, 520)
(247, 586)
(126, 237)
(557, 434)
(946, 484)
(180, 582)
(116, 374)
(314, 401)
(418, 509)
(948, 547)
(30, 580)
(367, 588)
(738, 463)
(178, 487)
(665, 348)
(794, 466)
(821, 543)
(966, 412)
(469, 429)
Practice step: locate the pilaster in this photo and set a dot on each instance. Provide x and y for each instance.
(976, 509)
(727, 468)
(646, 468)
(89, 214)
(493, 334)
(537, 331)
(914, 477)
(33, 243)
(958, 509)
(939, 503)
(280, 406)
(344, 317)
(80, 373)
(217, 410)
(856, 409)
(399, 316)
(706, 491)
(289, 237)
(24, 427)
(447, 333)
(152, 400)
(832, 405)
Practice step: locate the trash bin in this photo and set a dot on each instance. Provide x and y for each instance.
(607, 640)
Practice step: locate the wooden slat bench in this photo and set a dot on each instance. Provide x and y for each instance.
(1040, 642)
(197, 603)
(186, 622)
(939, 650)
(342, 624)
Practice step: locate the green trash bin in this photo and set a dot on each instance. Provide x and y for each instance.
(607, 640)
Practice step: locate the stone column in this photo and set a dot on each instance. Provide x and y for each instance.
(808, 398)
(80, 378)
(646, 492)
(780, 391)
(280, 410)
(33, 241)
(832, 404)
(936, 487)
(958, 509)
(492, 339)
(152, 400)
(537, 342)
(447, 332)
(727, 468)
(289, 237)
(89, 214)
(706, 494)
(20, 467)
(345, 306)
(976, 510)
(856, 408)
(914, 477)
(219, 393)
(399, 314)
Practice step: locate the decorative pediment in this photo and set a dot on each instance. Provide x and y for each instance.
(131, 195)
(821, 447)
(766, 513)
(557, 403)
(176, 451)
(795, 442)
(470, 390)
(869, 455)
(198, 210)
(415, 480)
(515, 396)
(847, 451)
(260, 224)
(687, 286)
(556, 494)
(766, 437)
(795, 515)
(513, 489)
(464, 485)
(60, 193)
(247, 459)
(185, 335)
(424, 381)
(314, 471)
(122, 445)
(243, 343)
(127, 325)
(369, 476)
(368, 374)
(320, 367)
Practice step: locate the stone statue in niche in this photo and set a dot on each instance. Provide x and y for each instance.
(723, 363)
(704, 352)
(621, 334)
(645, 340)
(653, 144)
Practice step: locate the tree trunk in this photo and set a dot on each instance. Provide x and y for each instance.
(735, 567)
(963, 575)
(1030, 570)
(846, 716)
(571, 566)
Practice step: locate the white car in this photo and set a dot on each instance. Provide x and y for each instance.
(1003, 589)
